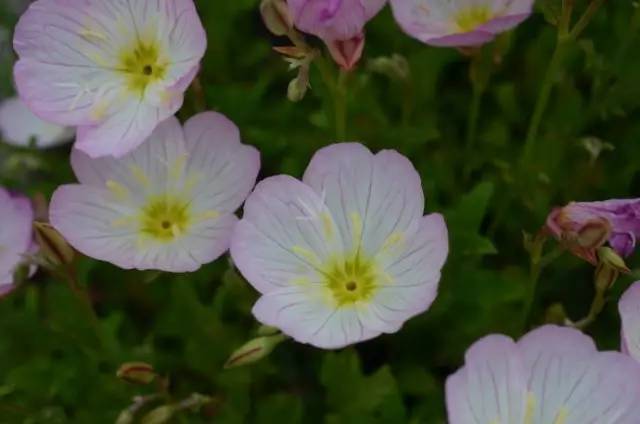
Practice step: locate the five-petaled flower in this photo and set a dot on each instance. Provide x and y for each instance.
(585, 226)
(459, 23)
(367, 261)
(16, 236)
(20, 127)
(169, 205)
(553, 375)
(112, 68)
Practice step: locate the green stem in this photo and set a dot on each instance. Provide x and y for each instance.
(586, 18)
(474, 114)
(543, 98)
(340, 99)
(599, 301)
(537, 265)
(83, 298)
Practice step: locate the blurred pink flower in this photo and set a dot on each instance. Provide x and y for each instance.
(551, 375)
(340, 23)
(586, 226)
(113, 68)
(169, 205)
(19, 127)
(334, 19)
(459, 23)
(345, 254)
(16, 237)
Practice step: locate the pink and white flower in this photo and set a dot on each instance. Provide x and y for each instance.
(16, 237)
(553, 375)
(169, 205)
(19, 127)
(345, 254)
(113, 68)
(459, 23)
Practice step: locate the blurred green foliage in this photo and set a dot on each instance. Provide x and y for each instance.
(56, 367)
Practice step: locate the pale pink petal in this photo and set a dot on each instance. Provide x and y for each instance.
(305, 314)
(16, 214)
(370, 196)
(412, 267)
(492, 385)
(285, 236)
(19, 127)
(123, 131)
(629, 308)
(572, 383)
(223, 170)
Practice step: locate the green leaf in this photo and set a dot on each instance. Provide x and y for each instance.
(354, 397)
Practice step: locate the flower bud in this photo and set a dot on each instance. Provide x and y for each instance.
(52, 245)
(266, 330)
(610, 257)
(125, 417)
(299, 85)
(347, 53)
(610, 265)
(395, 67)
(276, 16)
(137, 373)
(254, 351)
(160, 415)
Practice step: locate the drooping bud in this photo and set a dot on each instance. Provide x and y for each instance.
(299, 85)
(254, 350)
(395, 67)
(125, 417)
(610, 265)
(137, 373)
(52, 245)
(610, 257)
(159, 415)
(347, 53)
(266, 330)
(276, 16)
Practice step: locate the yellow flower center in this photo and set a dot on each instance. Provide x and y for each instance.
(472, 17)
(143, 65)
(165, 219)
(352, 279)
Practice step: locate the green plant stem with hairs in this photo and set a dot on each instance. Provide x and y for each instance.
(566, 37)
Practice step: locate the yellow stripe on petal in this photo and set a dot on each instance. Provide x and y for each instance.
(139, 175)
(356, 227)
(119, 191)
(561, 417)
(529, 408)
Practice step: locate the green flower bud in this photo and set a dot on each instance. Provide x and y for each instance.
(160, 415)
(254, 351)
(52, 245)
(137, 373)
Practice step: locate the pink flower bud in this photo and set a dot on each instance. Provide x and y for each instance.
(585, 227)
(347, 53)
